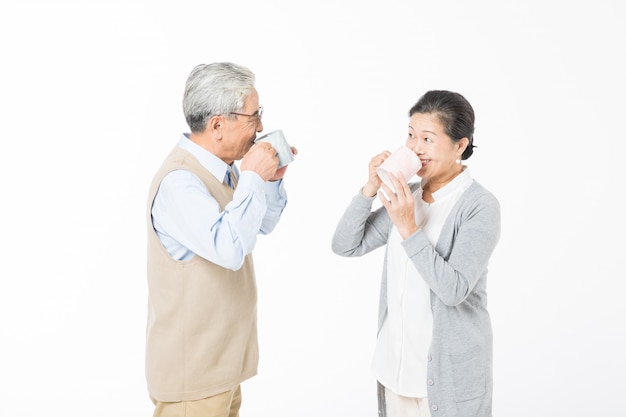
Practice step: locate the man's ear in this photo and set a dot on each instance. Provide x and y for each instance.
(214, 126)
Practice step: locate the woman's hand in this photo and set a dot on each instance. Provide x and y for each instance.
(400, 205)
(373, 181)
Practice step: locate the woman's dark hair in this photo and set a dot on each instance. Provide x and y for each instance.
(454, 112)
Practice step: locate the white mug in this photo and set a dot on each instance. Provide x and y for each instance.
(280, 145)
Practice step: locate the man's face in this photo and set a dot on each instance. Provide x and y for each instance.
(240, 131)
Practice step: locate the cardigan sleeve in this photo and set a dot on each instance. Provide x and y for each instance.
(466, 243)
(360, 230)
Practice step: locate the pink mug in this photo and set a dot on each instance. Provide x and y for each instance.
(403, 162)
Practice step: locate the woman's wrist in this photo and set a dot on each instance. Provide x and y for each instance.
(369, 191)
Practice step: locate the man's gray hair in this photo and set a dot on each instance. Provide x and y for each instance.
(214, 89)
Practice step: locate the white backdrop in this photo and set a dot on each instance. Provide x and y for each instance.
(90, 103)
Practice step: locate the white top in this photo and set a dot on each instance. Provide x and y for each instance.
(400, 356)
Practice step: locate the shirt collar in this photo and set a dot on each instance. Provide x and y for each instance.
(212, 163)
(457, 182)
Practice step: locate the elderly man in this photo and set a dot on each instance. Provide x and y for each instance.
(204, 214)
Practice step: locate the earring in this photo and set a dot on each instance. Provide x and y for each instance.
(458, 161)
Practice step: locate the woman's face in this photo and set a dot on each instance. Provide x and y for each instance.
(434, 148)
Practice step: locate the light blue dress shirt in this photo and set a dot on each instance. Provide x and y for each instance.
(188, 220)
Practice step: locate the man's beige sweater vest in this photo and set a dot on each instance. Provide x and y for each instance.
(202, 321)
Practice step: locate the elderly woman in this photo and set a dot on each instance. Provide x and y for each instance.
(433, 354)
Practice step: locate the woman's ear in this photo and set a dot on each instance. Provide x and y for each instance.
(461, 146)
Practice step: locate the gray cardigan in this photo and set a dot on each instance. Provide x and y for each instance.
(459, 377)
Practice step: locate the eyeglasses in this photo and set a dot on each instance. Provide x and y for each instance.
(258, 114)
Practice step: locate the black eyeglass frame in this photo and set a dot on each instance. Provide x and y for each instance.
(258, 114)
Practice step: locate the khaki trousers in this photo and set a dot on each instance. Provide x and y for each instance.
(399, 406)
(226, 404)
